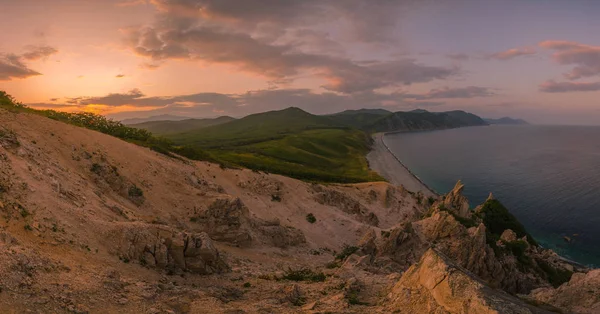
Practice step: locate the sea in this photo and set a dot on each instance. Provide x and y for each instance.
(547, 176)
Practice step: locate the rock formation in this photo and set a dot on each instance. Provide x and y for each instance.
(436, 285)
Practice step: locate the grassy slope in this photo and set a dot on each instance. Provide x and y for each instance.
(169, 127)
(255, 128)
(291, 142)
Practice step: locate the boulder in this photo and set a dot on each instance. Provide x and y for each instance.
(163, 247)
(436, 285)
(580, 295)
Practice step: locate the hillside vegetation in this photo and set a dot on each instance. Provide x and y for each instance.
(169, 126)
(292, 142)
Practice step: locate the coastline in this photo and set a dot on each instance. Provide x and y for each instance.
(383, 161)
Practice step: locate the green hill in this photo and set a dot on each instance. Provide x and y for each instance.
(423, 120)
(169, 126)
(298, 144)
(255, 128)
(359, 118)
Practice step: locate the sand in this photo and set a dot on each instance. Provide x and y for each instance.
(391, 168)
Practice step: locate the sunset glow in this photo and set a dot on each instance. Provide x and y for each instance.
(538, 60)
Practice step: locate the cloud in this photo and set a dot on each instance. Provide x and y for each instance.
(364, 20)
(150, 66)
(131, 3)
(244, 52)
(12, 67)
(120, 75)
(458, 57)
(512, 53)
(38, 52)
(459, 92)
(134, 103)
(585, 58)
(565, 87)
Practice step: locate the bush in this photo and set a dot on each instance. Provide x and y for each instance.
(555, 276)
(497, 218)
(96, 168)
(431, 200)
(347, 251)
(304, 274)
(311, 218)
(275, 198)
(247, 285)
(134, 191)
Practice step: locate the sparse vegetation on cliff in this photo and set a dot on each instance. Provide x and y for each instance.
(497, 218)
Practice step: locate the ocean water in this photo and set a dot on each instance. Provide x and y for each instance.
(547, 176)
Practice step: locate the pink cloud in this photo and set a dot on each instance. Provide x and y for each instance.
(552, 86)
(513, 53)
(585, 58)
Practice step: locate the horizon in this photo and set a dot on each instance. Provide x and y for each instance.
(538, 61)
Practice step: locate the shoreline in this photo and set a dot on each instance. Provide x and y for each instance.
(383, 161)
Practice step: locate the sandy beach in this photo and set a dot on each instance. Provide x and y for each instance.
(388, 166)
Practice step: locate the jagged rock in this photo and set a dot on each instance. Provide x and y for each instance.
(294, 295)
(343, 201)
(436, 285)
(224, 219)
(399, 249)
(228, 220)
(164, 247)
(580, 295)
(272, 233)
(455, 201)
(508, 236)
(367, 243)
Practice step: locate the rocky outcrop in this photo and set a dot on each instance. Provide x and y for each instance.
(165, 248)
(228, 220)
(436, 285)
(343, 201)
(509, 263)
(580, 295)
(456, 202)
(224, 220)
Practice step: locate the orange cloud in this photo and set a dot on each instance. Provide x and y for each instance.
(512, 53)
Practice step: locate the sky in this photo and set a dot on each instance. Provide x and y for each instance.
(532, 59)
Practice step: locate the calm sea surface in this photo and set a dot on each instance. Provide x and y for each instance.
(547, 176)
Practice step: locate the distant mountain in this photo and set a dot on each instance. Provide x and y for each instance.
(507, 121)
(363, 111)
(162, 117)
(359, 118)
(168, 127)
(424, 120)
(255, 128)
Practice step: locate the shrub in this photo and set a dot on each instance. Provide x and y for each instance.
(303, 274)
(346, 251)
(28, 227)
(311, 218)
(497, 218)
(134, 191)
(247, 285)
(555, 276)
(352, 298)
(275, 198)
(431, 200)
(96, 168)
